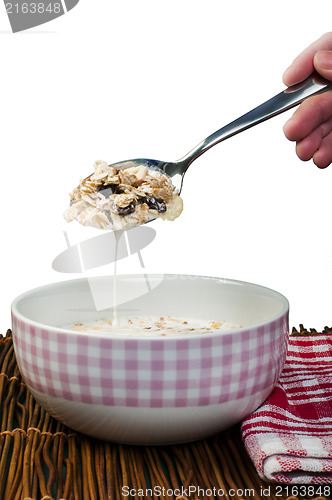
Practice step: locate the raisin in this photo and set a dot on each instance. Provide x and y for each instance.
(156, 203)
(129, 209)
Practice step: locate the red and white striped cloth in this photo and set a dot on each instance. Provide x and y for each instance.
(289, 438)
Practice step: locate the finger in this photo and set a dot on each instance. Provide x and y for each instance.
(313, 112)
(300, 69)
(307, 147)
(323, 156)
(323, 63)
(303, 65)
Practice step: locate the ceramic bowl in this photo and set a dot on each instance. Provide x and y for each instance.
(143, 390)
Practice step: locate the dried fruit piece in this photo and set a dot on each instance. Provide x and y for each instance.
(156, 204)
(127, 210)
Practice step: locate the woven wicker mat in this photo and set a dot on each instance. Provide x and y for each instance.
(41, 458)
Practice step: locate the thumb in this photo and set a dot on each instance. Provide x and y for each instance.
(323, 63)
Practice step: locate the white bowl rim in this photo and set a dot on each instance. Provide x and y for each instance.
(233, 332)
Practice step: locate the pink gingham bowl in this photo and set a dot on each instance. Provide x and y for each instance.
(143, 390)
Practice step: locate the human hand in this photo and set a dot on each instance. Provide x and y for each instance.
(311, 124)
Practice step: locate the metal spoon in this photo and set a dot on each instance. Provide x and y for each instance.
(287, 99)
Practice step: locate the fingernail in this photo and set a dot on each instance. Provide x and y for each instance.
(323, 59)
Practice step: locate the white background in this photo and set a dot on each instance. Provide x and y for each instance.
(124, 79)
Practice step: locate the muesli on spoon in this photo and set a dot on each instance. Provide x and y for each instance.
(118, 199)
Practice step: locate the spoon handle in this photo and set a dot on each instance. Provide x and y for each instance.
(287, 99)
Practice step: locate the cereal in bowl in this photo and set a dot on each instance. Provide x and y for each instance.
(152, 326)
